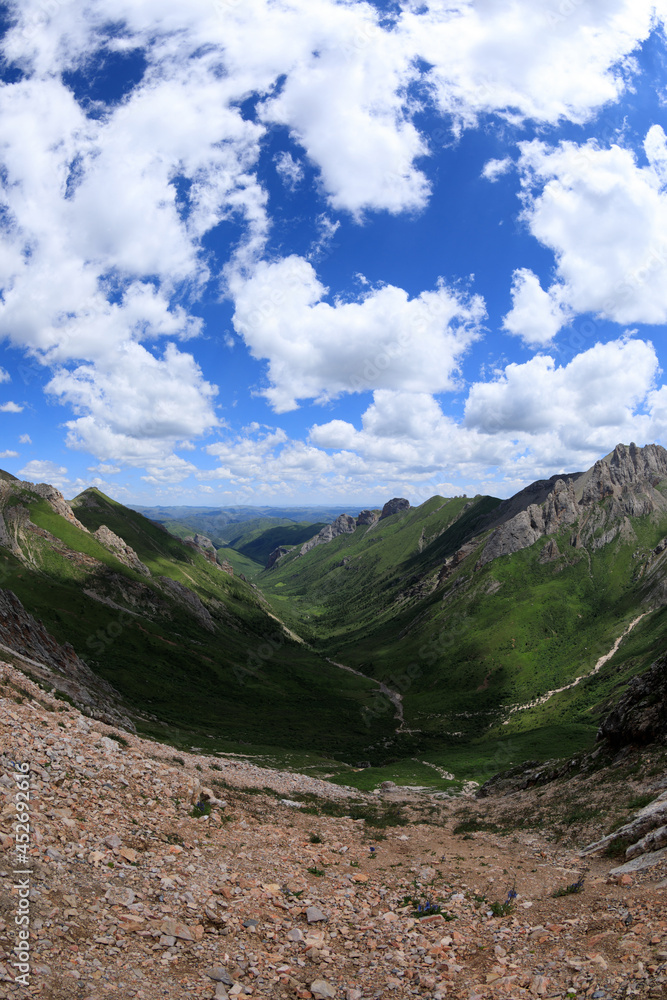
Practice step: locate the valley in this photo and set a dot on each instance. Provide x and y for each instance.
(454, 638)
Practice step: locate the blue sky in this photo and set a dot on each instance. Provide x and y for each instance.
(273, 251)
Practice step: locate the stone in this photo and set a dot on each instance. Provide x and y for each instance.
(54, 854)
(119, 896)
(220, 992)
(174, 928)
(313, 914)
(220, 975)
(113, 841)
(322, 990)
(294, 934)
(394, 507)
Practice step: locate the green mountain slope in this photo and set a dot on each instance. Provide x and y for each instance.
(185, 644)
(472, 609)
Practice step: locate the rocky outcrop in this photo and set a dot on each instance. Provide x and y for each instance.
(645, 832)
(277, 554)
(368, 517)
(394, 506)
(599, 502)
(123, 552)
(55, 500)
(526, 527)
(343, 525)
(188, 597)
(226, 567)
(640, 716)
(58, 666)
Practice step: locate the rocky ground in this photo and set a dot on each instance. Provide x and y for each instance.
(297, 888)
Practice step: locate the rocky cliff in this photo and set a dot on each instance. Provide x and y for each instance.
(41, 656)
(344, 524)
(597, 503)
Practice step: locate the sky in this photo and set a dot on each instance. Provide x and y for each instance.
(301, 251)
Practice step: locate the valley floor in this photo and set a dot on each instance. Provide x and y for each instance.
(133, 897)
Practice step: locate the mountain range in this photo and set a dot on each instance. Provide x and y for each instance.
(438, 643)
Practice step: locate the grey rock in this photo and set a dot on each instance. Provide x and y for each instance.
(54, 854)
(343, 525)
(638, 864)
(314, 914)
(113, 841)
(640, 716)
(118, 895)
(290, 802)
(294, 934)
(220, 975)
(220, 992)
(123, 552)
(277, 554)
(190, 600)
(322, 990)
(368, 517)
(394, 506)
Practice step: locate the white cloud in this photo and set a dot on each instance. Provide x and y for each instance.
(605, 218)
(9, 454)
(5, 376)
(536, 315)
(118, 422)
(105, 468)
(493, 169)
(25, 439)
(588, 405)
(10, 408)
(289, 170)
(527, 59)
(45, 471)
(318, 351)
(533, 421)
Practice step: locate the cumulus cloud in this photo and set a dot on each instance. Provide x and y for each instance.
(317, 350)
(536, 315)
(45, 471)
(9, 454)
(140, 428)
(526, 59)
(10, 408)
(25, 439)
(5, 376)
(605, 218)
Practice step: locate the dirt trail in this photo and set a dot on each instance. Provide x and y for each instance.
(598, 666)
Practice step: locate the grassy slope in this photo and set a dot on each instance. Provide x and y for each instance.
(244, 683)
(497, 637)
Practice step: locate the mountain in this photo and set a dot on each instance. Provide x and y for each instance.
(474, 610)
(438, 643)
(192, 652)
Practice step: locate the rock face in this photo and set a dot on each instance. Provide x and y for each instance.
(122, 551)
(368, 517)
(190, 599)
(597, 503)
(63, 669)
(343, 525)
(277, 554)
(640, 716)
(394, 506)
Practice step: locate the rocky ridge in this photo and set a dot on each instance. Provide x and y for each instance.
(596, 503)
(155, 873)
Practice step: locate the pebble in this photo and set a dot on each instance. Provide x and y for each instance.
(133, 898)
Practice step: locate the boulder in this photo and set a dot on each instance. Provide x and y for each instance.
(394, 507)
